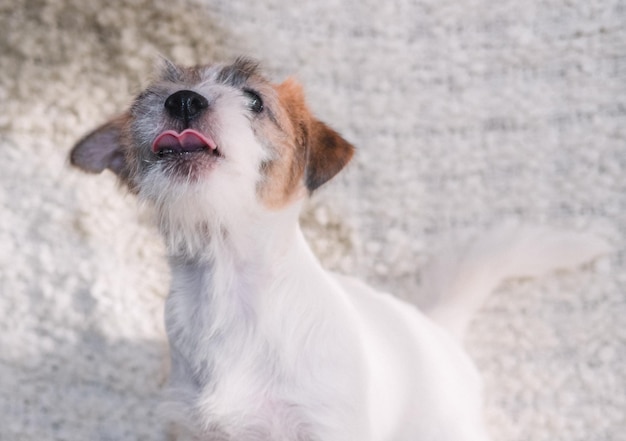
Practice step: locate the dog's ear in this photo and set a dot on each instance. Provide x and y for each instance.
(325, 152)
(328, 153)
(102, 149)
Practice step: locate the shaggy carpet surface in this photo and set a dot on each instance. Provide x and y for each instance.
(464, 113)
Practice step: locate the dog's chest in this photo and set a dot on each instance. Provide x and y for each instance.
(259, 360)
(232, 363)
(242, 390)
(209, 325)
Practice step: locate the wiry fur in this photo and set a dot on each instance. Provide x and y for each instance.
(265, 344)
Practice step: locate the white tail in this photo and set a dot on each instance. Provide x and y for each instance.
(458, 284)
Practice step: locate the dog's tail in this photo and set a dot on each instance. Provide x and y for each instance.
(459, 284)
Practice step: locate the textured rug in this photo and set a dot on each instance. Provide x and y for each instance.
(464, 113)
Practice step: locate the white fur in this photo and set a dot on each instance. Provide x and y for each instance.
(267, 345)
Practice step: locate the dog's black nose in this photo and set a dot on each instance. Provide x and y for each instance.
(186, 105)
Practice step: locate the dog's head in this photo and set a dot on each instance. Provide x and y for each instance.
(206, 144)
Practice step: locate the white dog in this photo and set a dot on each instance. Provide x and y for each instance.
(266, 344)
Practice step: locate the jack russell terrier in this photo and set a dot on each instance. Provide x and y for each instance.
(266, 344)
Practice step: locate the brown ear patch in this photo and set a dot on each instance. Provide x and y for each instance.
(103, 149)
(328, 154)
(319, 151)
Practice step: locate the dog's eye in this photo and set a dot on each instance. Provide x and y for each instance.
(255, 103)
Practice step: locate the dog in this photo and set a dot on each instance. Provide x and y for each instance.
(265, 344)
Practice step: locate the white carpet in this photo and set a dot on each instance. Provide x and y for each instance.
(464, 113)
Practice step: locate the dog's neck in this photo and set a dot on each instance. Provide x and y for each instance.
(227, 267)
(244, 282)
(261, 242)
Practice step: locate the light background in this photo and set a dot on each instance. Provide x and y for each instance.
(464, 113)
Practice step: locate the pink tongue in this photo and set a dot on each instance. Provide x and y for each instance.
(187, 141)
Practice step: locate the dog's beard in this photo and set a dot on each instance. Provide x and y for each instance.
(216, 199)
(195, 216)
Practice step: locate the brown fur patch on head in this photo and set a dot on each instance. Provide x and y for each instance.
(308, 152)
(286, 135)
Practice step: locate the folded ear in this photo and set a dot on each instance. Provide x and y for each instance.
(324, 151)
(328, 154)
(101, 149)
